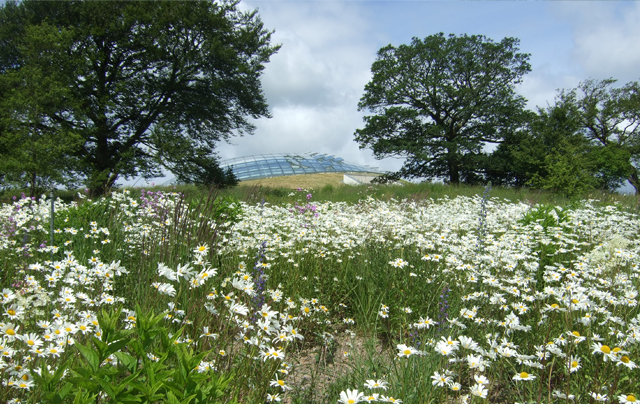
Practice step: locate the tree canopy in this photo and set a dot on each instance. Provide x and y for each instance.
(438, 101)
(144, 83)
(589, 139)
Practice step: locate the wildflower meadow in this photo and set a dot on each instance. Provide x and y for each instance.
(155, 297)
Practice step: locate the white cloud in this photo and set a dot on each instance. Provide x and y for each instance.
(606, 38)
(313, 84)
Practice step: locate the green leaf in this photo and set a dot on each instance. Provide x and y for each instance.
(89, 355)
(127, 360)
(116, 346)
(101, 347)
(84, 397)
(107, 387)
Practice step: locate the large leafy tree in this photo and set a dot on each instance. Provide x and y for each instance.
(549, 153)
(149, 81)
(610, 121)
(37, 153)
(440, 100)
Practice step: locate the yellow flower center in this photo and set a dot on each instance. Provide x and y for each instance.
(574, 364)
(605, 349)
(617, 349)
(575, 301)
(11, 312)
(576, 333)
(524, 375)
(555, 306)
(407, 352)
(281, 382)
(631, 398)
(30, 342)
(351, 401)
(11, 331)
(625, 359)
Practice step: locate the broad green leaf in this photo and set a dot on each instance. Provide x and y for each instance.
(89, 355)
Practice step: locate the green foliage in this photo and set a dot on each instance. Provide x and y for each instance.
(610, 120)
(545, 215)
(437, 100)
(530, 156)
(36, 151)
(146, 81)
(142, 364)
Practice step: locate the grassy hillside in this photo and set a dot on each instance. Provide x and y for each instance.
(315, 181)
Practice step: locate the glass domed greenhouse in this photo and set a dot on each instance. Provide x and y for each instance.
(277, 165)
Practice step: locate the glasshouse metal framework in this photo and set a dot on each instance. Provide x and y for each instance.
(277, 165)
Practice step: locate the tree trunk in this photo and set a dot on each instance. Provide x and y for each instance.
(634, 181)
(454, 165)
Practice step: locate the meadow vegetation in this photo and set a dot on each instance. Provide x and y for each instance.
(418, 294)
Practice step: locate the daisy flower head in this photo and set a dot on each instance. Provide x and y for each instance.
(351, 397)
(10, 331)
(424, 323)
(479, 390)
(376, 384)
(32, 340)
(598, 396)
(272, 353)
(523, 376)
(574, 364)
(481, 379)
(555, 307)
(476, 362)
(577, 338)
(201, 249)
(277, 382)
(274, 397)
(399, 263)
(406, 351)
(455, 386)
(627, 399)
(467, 343)
(598, 349)
(441, 380)
(625, 361)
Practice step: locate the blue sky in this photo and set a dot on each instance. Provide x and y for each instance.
(313, 84)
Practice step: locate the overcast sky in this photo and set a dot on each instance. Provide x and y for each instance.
(313, 84)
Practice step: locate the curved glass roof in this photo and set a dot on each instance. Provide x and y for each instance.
(276, 165)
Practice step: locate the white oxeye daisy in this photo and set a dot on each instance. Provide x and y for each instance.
(441, 380)
(201, 249)
(574, 364)
(277, 382)
(350, 397)
(376, 384)
(406, 351)
(523, 376)
(627, 399)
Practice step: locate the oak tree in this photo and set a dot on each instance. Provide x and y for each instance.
(187, 70)
(438, 101)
